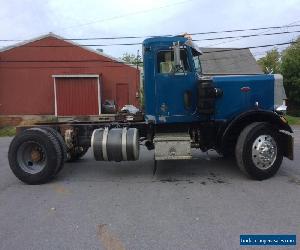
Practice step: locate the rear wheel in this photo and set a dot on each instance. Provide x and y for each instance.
(34, 156)
(258, 151)
(62, 145)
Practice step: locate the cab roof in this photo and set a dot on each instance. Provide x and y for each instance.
(164, 40)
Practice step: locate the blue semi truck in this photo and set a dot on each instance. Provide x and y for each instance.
(236, 115)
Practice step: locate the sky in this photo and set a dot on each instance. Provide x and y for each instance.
(28, 19)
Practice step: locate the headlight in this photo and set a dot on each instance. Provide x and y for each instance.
(282, 108)
(279, 95)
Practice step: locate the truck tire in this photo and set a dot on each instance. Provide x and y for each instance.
(62, 146)
(34, 156)
(258, 152)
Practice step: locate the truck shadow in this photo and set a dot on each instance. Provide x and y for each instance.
(213, 169)
(202, 168)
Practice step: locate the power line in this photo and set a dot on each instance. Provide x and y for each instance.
(75, 45)
(121, 65)
(100, 61)
(139, 43)
(126, 15)
(260, 33)
(252, 47)
(112, 61)
(115, 66)
(57, 67)
(43, 67)
(62, 61)
(136, 37)
(249, 29)
(244, 36)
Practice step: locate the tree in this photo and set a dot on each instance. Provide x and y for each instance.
(288, 64)
(270, 64)
(132, 59)
(290, 68)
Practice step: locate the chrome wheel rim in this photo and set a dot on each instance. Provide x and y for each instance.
(31, 157)
(264, 152)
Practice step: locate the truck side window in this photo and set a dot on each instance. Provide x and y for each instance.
(165, 61)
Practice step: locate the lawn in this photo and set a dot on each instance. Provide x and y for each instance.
(293, 120)
(7, 131)
(11, 131)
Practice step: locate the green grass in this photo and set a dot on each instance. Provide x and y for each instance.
(11, 131)
(7, 131)
(293, 120)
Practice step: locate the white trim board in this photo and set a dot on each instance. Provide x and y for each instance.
(99, 97)
(55, 98)
(80, 76)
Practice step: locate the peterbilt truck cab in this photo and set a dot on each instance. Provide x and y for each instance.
(177, 91)
(239, 116)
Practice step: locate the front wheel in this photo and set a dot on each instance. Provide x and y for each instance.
(258, 151)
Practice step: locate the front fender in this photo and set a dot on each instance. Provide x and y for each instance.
(233, 128)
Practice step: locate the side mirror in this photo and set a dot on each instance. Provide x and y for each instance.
(176, 51)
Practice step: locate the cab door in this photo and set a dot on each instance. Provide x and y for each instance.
(175, 89)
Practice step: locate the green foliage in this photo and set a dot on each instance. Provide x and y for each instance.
(132, 59)
(135, 60)
(7, 131)
(290, 68)
(286, 63)
(292, 120)
(270, 64)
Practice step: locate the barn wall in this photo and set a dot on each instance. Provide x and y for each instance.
(26, 88)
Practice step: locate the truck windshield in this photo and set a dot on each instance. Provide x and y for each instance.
(196, 52)
(197, 63)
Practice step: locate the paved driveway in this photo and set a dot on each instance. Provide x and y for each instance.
(204, 203)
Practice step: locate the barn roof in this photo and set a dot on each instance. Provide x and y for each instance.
(19, 44)
(228, 61)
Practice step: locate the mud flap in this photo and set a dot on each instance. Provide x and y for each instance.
(287, 145)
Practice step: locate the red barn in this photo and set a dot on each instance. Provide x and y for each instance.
(52, 76)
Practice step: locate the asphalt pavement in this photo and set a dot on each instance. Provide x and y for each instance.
(204, 203)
